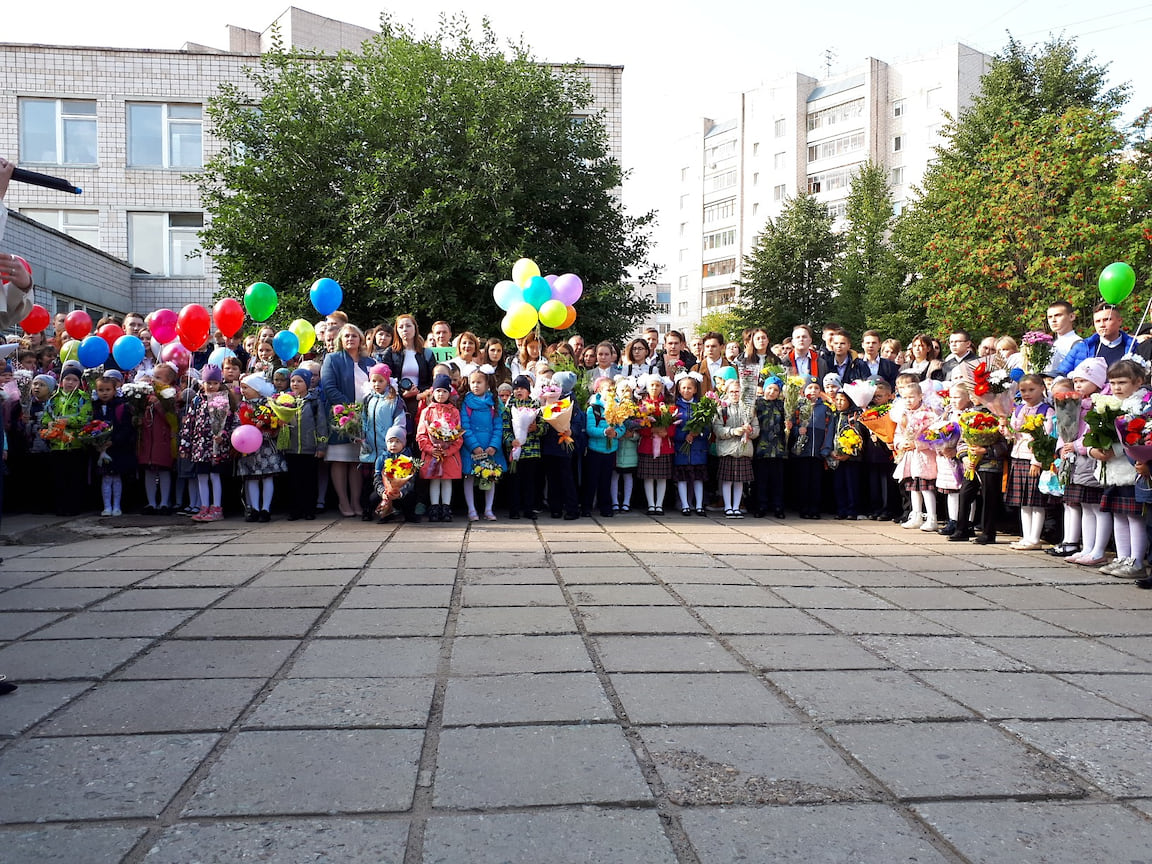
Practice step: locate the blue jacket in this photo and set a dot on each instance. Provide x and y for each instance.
(550, 439)
(818, 443)
(697, 451)
(380, 415)
(483, 427)
(597, 426)
(1086, 348)
(378, 481)
(338, 383)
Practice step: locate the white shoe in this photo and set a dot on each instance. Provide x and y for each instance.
(1116, 563)
(914, 521)
(107, 511)
(116, 511)
(1129, 569)
(929, 526)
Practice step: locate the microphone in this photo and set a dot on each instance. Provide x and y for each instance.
(45, 180)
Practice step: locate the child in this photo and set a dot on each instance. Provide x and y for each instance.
(504, 392)
(626, 452)
(600, 460)
(307, 435)
(846, 477)
(385, 498)
(1126, 378)
(383, 408)
(483, 431)
(654, 464)
(440, 438)
(832, 385)
(68, 409)
(949, 475)
(265, 362)
(556, 456)
(734, 428)
(280, 379)
(988, 464)
(1024, 471)
(1083, 492)
(258, 468)
(690, 459)
(883, 494)
(810, 448)
(233, 371)
(916, 468)
(117, 456)
(771, 449)
(524, 472)
(204, 443)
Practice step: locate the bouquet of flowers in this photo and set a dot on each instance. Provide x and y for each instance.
(995, 388)
(940, 435)
(558, 415)
(1067, 417)
(860, 392)
(978, 429)
(95, 433)
(877, 421)
(442, 433)
(1037, 351)
(803, 420)
(1101, 420)
(848, 442)
(260, 416)
(793, 392)
(1136, 436)
(1043, 442)
(660, 415)
(397, 471)
(703, 413)
(617, 412)
(286, 407)
(346, 420)
(522, 417)
(22, 378)
(136, 395)
(486, 472)
(749, 386)
(57, 431)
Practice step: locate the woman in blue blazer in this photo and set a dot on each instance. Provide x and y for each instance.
(338, 382)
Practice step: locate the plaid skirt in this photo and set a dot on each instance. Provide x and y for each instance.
(1121, 500)
(918, 484)
(1023, 491)
(1077, 495)
(690, 472)
(735, 469)
(654, 468)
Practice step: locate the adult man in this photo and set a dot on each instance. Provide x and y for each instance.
(842, 362)
(826, 333)
(712, 358)
(696, 345)
(801, 359)
(652, 337)
(675, 355)
(133, 324)
(1109, 341)
(960, 346)
(1062, 323)
(441, 335)
(877, 365)
(576, 342)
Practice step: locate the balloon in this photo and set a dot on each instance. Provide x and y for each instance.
(326, 295)
(537, 292)
(190, 343)
(157, 348)
(305, 334)
(27, 267)
(551, 279)
(286, 345)
(162, 325)
(519, 321)
(217, 357)
(78, 324)
(523, 270)
(567, 288)
(1116, 282)
(260, 301)
(729, 373)
(553, 313)
(92, 352)
(507, 294)
(228, 315)
(110, 333)
(37, 320)
(570, 320)
(69, 350)
(194, 321)
(177, 355)
(128, 352)
(246, 439)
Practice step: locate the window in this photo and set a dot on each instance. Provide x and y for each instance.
(837, 210)
(897, 208)
(720, 297)
(836, 147)
(756, 178)
(683, 255)
(781, 128)
(755, 208)
(664, 297)
(160, 244)
(779, 161)
(897, 143)
(897, 178)
(720, 239)
(683, 174)
(58, 131)
(898, 108)
(779, 192)
(164, 136)
(682, 309)
(683, 228)
(723, 267)
(719, 151)
(755, 148)
(720, 211)
(830, 181)
(837, 114)
(723, 180)
(84, 225)
(682, 284)
(683, 202)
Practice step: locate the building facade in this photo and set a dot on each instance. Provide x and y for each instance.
(801, 134)
(129, 127)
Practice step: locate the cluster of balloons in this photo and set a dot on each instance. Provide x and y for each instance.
(1116, 282)
(530, 299)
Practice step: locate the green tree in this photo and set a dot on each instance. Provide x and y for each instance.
(728, 322)
(788, 278)
(864, 246)
(415, 174)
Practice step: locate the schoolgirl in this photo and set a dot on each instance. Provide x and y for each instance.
(600, 459)
(117, 456)
(156, 442)
(208, 421)
(734, 428)
(846, 477)
(1083, 492)
(771, 449)
(809, 446)
(307, 435)
(626, 453)
(382, 409)
(440, 438)
(483, 433)
(1023, 469)
(916, 466)
(259, 468)
(654, 451)
(690, 459)
(556, 455)
(521, 415)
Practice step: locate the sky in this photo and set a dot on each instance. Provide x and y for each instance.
(683, 59)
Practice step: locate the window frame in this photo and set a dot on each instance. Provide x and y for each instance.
(170, 233)
(62, 120)
(168, 124)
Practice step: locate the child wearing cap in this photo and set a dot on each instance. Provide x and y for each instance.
(440, 438)
(64, 416)
(382, 409)
(307, 435)
(388, 497)
(557, 457)
(260, 467)
(771, 450)
(210, 418)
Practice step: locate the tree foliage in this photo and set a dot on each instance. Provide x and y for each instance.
(788, 279)
(415, 174)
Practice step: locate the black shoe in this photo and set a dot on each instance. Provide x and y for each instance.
(292, 517)
(701, 511)
(958, 536)
(607, 515)
(779, 514)
(366, 516)
(1063, 550)
(983, 540)
(557, 515)
(1145, 583)
(948, 529)
(265, 516)
(686, 511)
(7, 687)
(570, 516)
(659, 511)
(149, 511)
(309, 516)
(513, 515)
(445, 513)
(251, 515)
(841, 515)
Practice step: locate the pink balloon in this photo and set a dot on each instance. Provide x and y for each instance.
(246, 439)
(567, 288)
(163, 325)
(176, 354)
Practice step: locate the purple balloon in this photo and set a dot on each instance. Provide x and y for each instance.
(551, 279)
(567, 288)
(246, 439)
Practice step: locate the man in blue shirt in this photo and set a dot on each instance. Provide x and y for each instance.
(1109, 341)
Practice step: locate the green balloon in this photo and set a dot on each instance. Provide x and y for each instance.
(1116, 282)
(260, 301)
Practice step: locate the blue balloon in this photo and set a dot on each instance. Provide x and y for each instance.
(217, 357)
(326, 295)
(286, 345)
(1016, 374)
(538, 292)
(128, 352)
(92, 352)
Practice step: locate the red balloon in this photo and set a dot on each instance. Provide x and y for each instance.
(110, 333)
(192, 344)
(176, 354)
(229, 316)
(194, 321)
(36, 321)
(27, 267)
(78, 324)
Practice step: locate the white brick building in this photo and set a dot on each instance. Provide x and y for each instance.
(800, 133)
(127, 125)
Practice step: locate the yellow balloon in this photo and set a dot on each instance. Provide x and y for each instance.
(553, 313)
(523, 270)
(519, 321)
(305, 332)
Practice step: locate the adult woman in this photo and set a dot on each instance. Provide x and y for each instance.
(526, 356)
(494, 357)
(467, 354)
(1009, 352)
(379, 341)
(338, 382)
(410, 364)
(588, 357)
(637, 358)
(922, 364)
(758, 351)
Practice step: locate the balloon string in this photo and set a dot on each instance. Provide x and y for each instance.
(1147, 307)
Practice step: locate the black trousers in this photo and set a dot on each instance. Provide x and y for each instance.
(561, 485)
(69, 480)
(809, 483)
(846, 486)
(769, 474)
(597, 486)
(988, 486)
(303, 485)
(883, 493)
(524, 486)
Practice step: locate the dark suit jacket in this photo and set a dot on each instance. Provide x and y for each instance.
(887, 370)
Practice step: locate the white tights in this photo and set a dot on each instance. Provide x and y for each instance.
(1031, 524)
(626, 493)
(732, 493)
(440, 492)
(697, 490)
(470, 496)
(151, 477)
(924, 504)
(654, 491)
(1103, 530)
(209, 482)
(1131, 537)
(110, 487)
(253, 487)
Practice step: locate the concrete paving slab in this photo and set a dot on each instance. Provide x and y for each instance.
(1033, 597)
(536, 765)
(1022, 695)
(46, 564)
(793, 577)
(510, 576)
(367, 658)
(113, 777)
(1098, 622)
(226, 658)
(135, 563)
(572, 697)
(1113, 754)
(1131, 691)
(212, 563)
(938, 597)
(313, 596)
(993, 622)
(622, 560)
(213, 578)
(111, 625)
(249, 623)
(866, 695)
(880, 621)
(630, 619)
(384, 622)
(830, 834)
(710, 699)
(495, 620)
(301, 703)
(47, 599)
(123, 707)
(729, 595)
(831, 598)
(94, 578)
(67, 845)
(161, 598)
(513, 595)
(496, 560)
(558, 837)
(408, 576)
(1068, 655)
(397, 597)
(62, 659)
(940, 652)
(349, 841)
(622, 595)
(574, 576)
(35, 702)
(664, 654)
(803, 651)
(296, 578)
(760, 620)
(504, 655)
(13, 625)
(953, 760)
(885, 578)
(314, 771)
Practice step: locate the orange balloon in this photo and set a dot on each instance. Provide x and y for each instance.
(569, 319)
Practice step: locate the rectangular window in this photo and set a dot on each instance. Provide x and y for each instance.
(781, 127)
(836, 147)
(755, 208)
(756, 178)
(720, 211)
(719, 151)
(830, 181)
(779, 161)
(720, 297)
(682, 283)
(683, 202)
(682, 308)
(837, 210)
(84, 225)
(160, 244)
(723, 180)
(58, 131)
(683, 255)
(755, 148)
(683, 174)
(683, 228)
(897, 178)
(897, 143)
(164, 136)
(849, 112)
(898, 108)
(779, 192)
(720, 239)
(723, 267)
